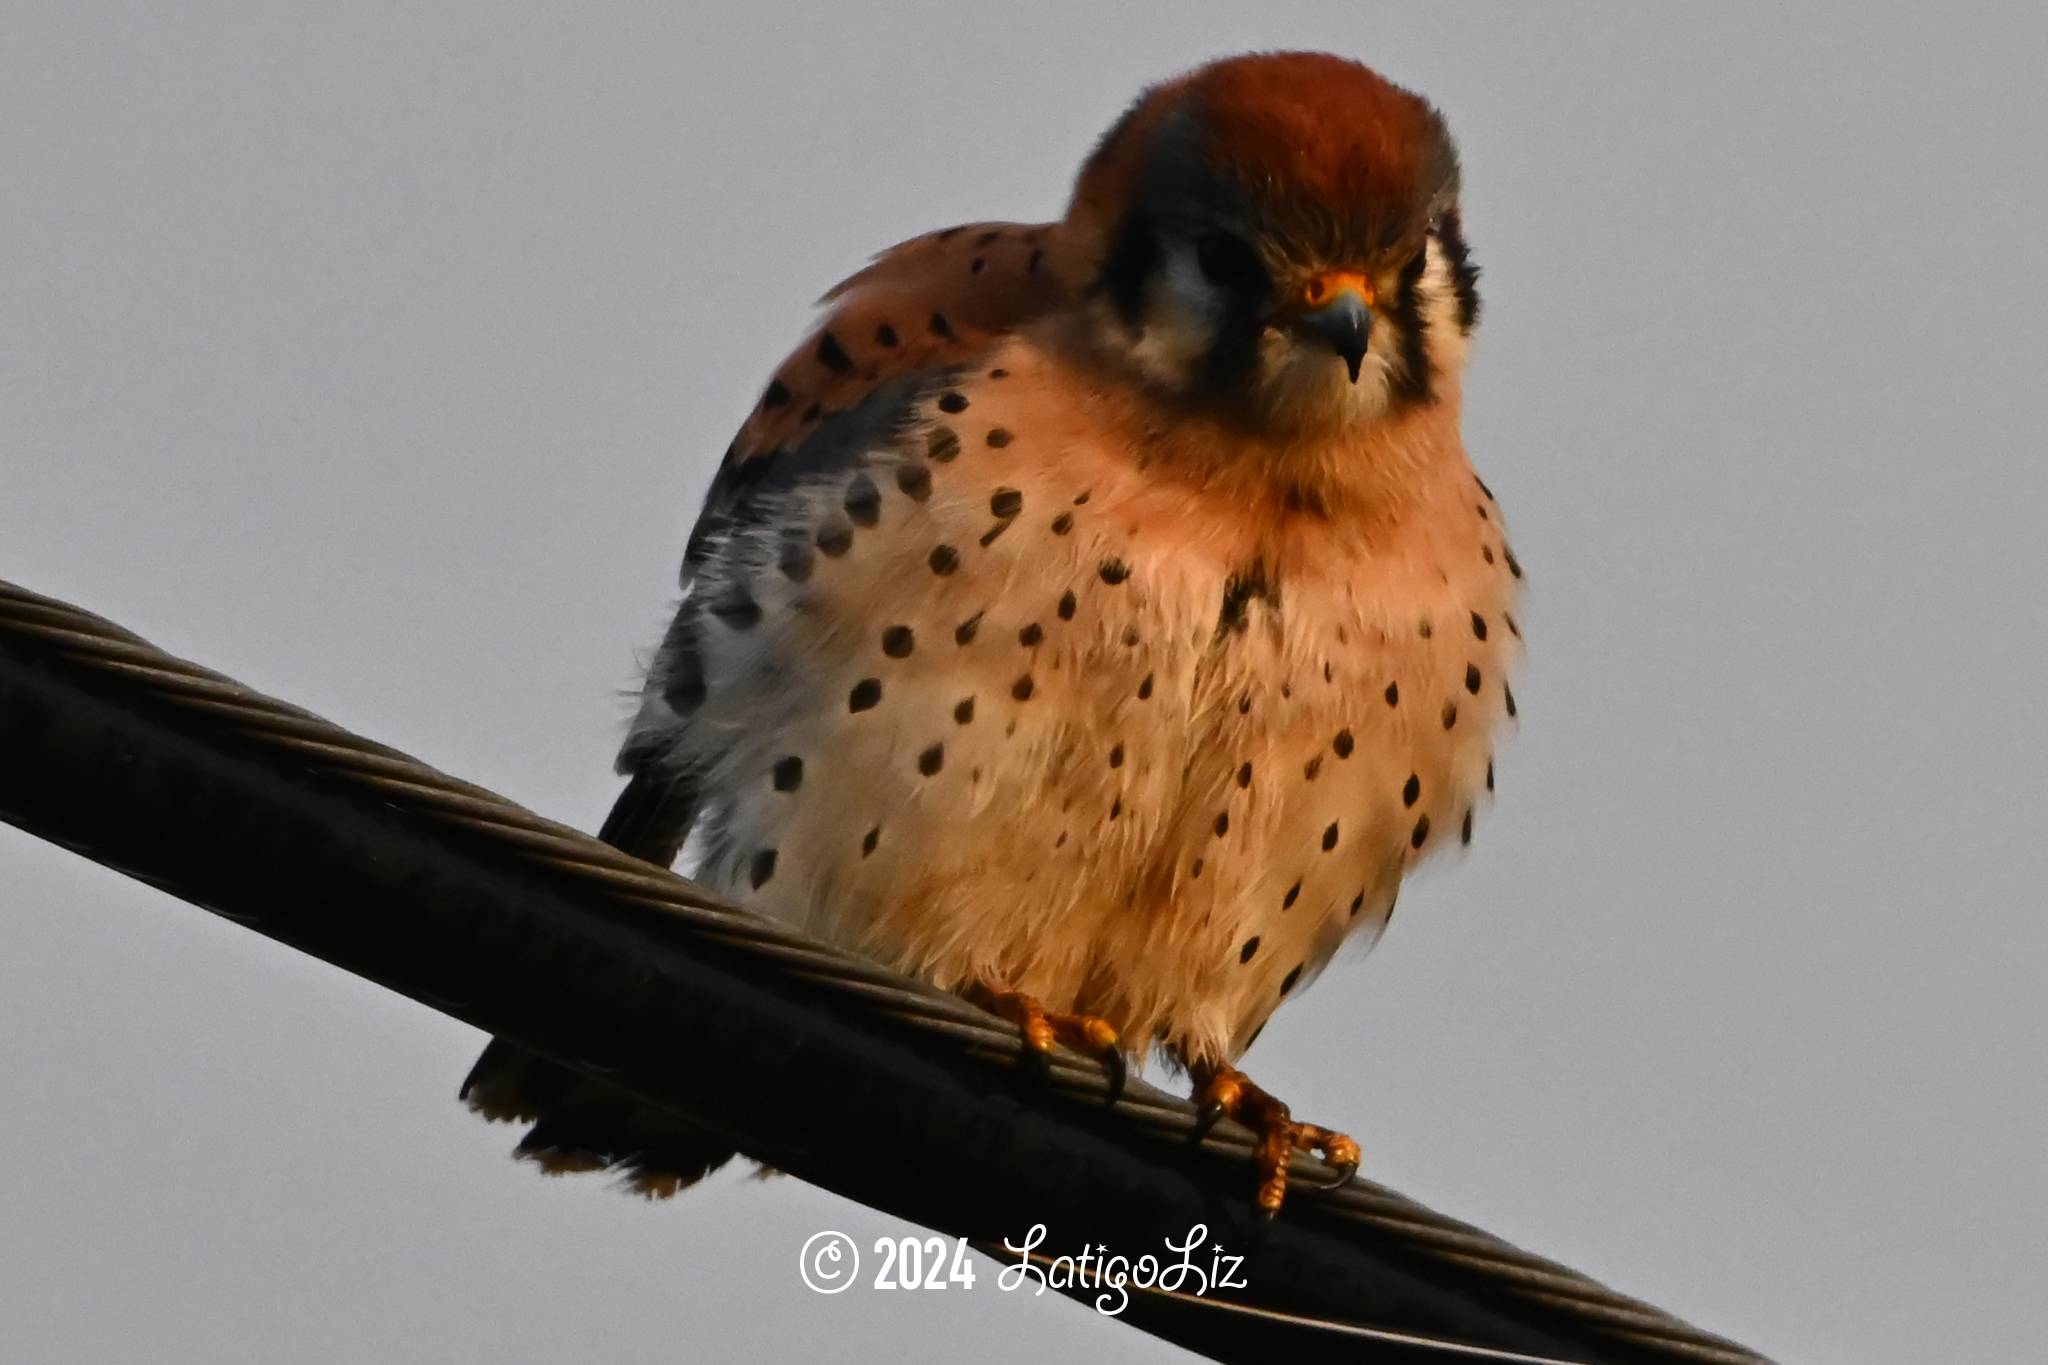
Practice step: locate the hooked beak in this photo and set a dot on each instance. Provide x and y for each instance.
(1339, 310)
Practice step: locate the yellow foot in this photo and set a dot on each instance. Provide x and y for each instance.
(1224, 1091)
(1043, 1031)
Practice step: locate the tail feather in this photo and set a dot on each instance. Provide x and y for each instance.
(578, 1124)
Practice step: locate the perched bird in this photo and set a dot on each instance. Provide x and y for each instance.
(1099, 617)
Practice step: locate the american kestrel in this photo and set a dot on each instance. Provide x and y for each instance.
(1099, 617)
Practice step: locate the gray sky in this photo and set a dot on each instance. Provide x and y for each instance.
(377, 355)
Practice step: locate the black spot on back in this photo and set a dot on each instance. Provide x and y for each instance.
(761, 867)
(866, 695)
(863, 501)
(1251, 946)
(832, 355)
(932, 759)
(788, 773)
(898, 641)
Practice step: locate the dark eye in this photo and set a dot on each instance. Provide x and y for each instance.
(1228, 261)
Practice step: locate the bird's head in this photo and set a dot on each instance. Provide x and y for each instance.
(1274, 240)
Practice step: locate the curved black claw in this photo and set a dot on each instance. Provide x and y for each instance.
(1206, 1118)
(1344, 1169)
(1113, 1063)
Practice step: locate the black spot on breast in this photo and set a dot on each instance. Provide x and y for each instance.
(1478, 626)
(942, 328)
(932, 759)
(1509, 555)
(775, 395)
(761, 867)
(1116, 808)
(1145, 688)
(1129, 637)
(944, 559)
(1465, 830)
(1472, 679)
(832, 355)
(1509, 622)
(1113, 571)
(1116, 756)
(1195, 869)
(1450, 714)
(998, 373)
(1486, 553)
(885, 335)
(1489, 774)
(867, 845)
(953, 402)
(1293, 895)
(988, 537)
(1031, 266)
(1006, 502)
(788, 773)
(1222, 823)
(914, 479)
(1393, 694)
(1023, 688)
(866, 695)
(737, 608)
(1357, 904)
(963, 634)
(1063, 523)
(1421, 832)
(1343, 744)
(963, 711)
(1030, 635)
(796, 560)
(1244, 775)
(998, 438)
(835, 538)
(976, 266)
(1251, 947)
(942, 445)
(1244, 704)
(1288, 982)
(897, 642)
(1412, 791)
(1330, 837)
(863, 501)
(1239, 592)
(1067, 606)
(812, 413)
(1425, 628)
(1312, 767)
(1508, 693)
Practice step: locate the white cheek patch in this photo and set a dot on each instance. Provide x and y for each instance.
(1181, 322)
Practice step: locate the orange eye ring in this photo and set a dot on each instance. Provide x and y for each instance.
(1324, 287)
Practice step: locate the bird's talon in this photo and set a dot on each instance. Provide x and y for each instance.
(1043, 1032)
(1225, 1090)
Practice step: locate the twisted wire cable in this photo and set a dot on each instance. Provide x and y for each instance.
(300, 738)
